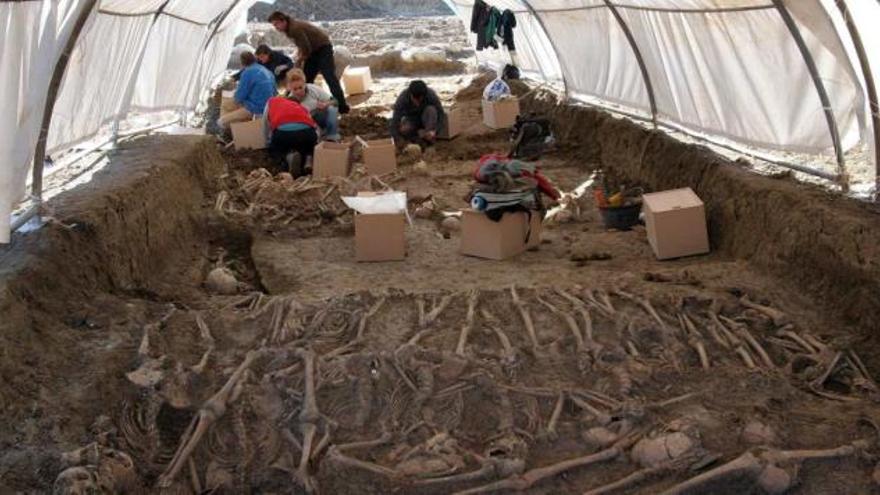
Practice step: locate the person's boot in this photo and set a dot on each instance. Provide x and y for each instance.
(294, 164)
(344, 109)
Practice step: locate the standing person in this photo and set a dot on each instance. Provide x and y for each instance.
(290, 134)
(317, 101)
(418, 115)
(315, 53)
(255, 88)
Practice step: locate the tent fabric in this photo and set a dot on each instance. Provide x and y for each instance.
(727, 68)
(142, 55)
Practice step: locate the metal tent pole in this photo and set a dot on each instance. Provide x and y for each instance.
(641, 60)
(200, 62)
(52, 95)
(870, 85)
(129, 87)
(842, 179)
(528, 5)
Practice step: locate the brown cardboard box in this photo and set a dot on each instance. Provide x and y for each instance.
(248, 135)
(357, 80)
(453, 125)
(380, 156)
(331, 160)
(380, 237)
(227, 102)
(513, 234)
(676, 223)
(500, 114)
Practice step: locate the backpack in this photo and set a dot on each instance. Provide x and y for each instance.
(510, 72)
(529, 137)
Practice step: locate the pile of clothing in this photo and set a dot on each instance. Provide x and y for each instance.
(489, 23)
(504, 184)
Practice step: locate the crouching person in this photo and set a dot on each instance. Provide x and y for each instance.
(291, 135)
(255, 88)
(418, 116)
(317, 101)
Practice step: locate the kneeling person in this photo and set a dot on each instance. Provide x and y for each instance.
(257, 85)
(418, 115)
(290, 134)
(318, 101)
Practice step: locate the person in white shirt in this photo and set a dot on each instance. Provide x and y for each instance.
(318, 101)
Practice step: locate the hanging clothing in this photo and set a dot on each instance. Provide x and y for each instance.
(492, 27)
(506, 27)
(479, 21)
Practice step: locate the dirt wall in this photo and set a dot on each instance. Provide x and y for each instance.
(823, 243)
(68, 292)
(117, 231)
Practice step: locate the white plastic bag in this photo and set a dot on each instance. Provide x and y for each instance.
(496, 90)
(390, 202)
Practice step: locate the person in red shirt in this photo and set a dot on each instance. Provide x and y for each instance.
(291, 134)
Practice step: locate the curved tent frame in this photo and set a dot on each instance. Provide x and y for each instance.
(840, 93)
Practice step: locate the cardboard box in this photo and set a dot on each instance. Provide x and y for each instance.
(248, 135)
(227, 102)
(357, 80)
(331, 160)
(500, 114)
(453, 125)
(380, 237)
(676, 223)
(380, 156)
(513, 234)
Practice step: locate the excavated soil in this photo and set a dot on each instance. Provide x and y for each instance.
(440, 373)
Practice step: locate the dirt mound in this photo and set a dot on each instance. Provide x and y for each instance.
(364, 122)
(397, 62)
(822, 243)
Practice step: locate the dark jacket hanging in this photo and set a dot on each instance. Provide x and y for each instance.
(505, 29)
(492, 26)
(479, 21)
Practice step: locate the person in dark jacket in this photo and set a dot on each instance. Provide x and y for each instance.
(418, 115)
(315, 53)
(275, 60)
(479, 22)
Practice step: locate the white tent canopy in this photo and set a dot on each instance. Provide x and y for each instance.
(772, 74)
(147, 55)
(778, 74)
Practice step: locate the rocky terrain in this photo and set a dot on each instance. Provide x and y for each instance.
(349, 9)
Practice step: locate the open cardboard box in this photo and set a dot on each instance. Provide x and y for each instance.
(379, 236)
(513, 234)
(380, 156)
(248, 135)
(500, 114)
(331, 160)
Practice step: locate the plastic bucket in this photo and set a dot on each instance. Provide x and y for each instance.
(621, 217)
